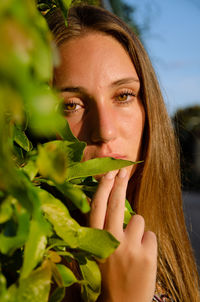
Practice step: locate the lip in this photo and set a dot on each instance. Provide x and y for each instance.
(113, 155)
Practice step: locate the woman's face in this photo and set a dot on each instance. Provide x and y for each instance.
(100, 89)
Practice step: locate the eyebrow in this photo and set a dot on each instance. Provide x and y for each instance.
(73, 89)
(80, 89)
(125, 81)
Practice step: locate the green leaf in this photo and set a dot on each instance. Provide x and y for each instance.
(127, 217)
(7, 294)
(60, 247)
(21, 139)
(55, 157)
(67, 275)
(91, 274)
(35, 246)
(11, 294)
(30, 169)
(58, 295)
(76, 195)
(6, 209)
(96, 166)
(42, 104)
(24, 191)
(43, 7)
(67, 3)
(99, 243)
(58, 215)
(52, 162)
(128, 213)
(128, 206)
(18, 155)
(43, 58)
(66, 134)
(2, 283)
(36, 286)
(2, 287)
(10, 243)
(64, 6)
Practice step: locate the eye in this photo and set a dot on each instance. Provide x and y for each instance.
(71, 107)
(125, 96)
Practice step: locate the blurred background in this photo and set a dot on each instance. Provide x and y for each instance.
(169, 31)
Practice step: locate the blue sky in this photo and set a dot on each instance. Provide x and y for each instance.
(173, 43)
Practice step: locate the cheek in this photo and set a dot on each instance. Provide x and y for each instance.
(133, 133)
(75, 126)
(137, 129)
(132, 126)
(79, 129)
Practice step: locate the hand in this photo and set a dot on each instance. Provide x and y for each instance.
(129, 274)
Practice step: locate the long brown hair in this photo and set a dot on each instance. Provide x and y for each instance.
(155, 186)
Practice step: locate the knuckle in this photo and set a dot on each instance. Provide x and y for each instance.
(138, 256)
(109, 176)
(149, 259)
(115, 205)
(132, 252)
(139, 219)
(94, 206)
(152, 239)
(150, 244)
(152, 236)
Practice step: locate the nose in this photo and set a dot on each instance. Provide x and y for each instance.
(103, 125)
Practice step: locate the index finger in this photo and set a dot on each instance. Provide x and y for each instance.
(115, 211)
(100, 200)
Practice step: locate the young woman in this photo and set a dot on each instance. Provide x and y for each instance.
(112, 101)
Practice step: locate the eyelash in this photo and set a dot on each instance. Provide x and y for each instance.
(125, 93)
(70, 103)
(128, 93)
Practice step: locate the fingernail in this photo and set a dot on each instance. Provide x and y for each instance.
(122, 172)
(111, 174)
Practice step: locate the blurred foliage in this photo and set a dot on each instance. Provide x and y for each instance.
(187, 126)
(43, 182)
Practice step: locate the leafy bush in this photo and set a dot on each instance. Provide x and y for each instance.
(42, 181)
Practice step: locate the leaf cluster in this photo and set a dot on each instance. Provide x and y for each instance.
(42, 185)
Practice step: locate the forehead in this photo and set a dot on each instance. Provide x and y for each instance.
(94, 55)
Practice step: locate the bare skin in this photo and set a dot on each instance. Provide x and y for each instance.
(129, 274)
(100, 88)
